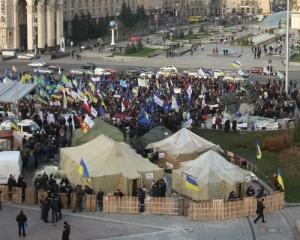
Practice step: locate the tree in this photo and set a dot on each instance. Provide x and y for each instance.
(181, 34)
(190, 31)
(82, 27)
(127, 49)
(201, 28)
(102, 25)
(133, 48)
(296, 135)
(126, 17)
(75, 24)
(175, 34)
(139, 46)
(168, 35)
(290, 161)
(90, 26)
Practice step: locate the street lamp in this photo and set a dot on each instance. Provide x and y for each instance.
(287, 46)
(117, 25)
(217, 46)
(241, 46)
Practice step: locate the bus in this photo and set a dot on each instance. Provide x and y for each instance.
(196, 19)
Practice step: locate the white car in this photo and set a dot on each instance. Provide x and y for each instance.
(24, 57)
(218, 73)
(43, 70)
(147, 74)
(30, 54)
(36, 64)
(77, 72)
(42, 61)
(170, 68)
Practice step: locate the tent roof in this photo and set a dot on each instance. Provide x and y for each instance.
(103, 156)
(183, 142)
(155, 134)
(100, 127)
(7, 91)
(211, 164)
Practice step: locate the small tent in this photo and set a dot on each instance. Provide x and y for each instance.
(154, 135)
(215, 177)
(111, 165)
(180, 147)
(100, 127)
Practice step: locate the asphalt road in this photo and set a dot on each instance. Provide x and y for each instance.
(22, 66)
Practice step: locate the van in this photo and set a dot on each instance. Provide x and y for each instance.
(100, 71)
(27, 126)
(10, 164)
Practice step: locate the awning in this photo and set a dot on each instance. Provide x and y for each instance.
(8, 91)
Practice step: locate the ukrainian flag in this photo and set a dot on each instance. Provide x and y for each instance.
(191, 183)
(92, 86)
(279, 178)
(82, 169)
(236, 64)
(75, 82)
(257, 150)
(14, 125)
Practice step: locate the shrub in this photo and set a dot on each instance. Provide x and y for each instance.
(168, 35)
(132, 48)
(265, 144)
(139, 46)
(276, 145)
(190, 32)
(175, 34)
(296, 134)
(181, 34)
(127, 49)
(201, 28)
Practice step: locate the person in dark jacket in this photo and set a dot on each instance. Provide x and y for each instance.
(141, 198)
(65, 233)
(11, 183)
(60, 207)
(20, 180)
(68, 231)
(155, 191)
(260, 211)
(54, 207)
(23, 186)
(100, 195)
(250, 191)
(260, 192)
(21, 219)
(163, 188)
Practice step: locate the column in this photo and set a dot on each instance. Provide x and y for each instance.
(41, 25)
(16, 32)
(30, 16)
(59, 23)
(50, 26)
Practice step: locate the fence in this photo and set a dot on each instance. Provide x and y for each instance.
(113, 204)
(4, 194)
(220, 210)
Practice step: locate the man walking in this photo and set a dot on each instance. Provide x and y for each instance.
(260, 211)
(21, 219)
(100, 199)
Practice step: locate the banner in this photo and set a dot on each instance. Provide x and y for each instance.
(62, 44)
(242, 125)
(142, 83)
(260, 124)
(158, 101)
(177, 90)
(272, 126)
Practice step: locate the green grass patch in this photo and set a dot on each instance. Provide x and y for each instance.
(244, 145)
(142, 53)
(295, 58)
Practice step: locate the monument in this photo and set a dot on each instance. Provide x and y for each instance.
(113, 25)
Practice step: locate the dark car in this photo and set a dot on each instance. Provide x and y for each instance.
(125, 73)
(255, 70)
(88, 66)
(134, 70)
(55, 67)
(96, 44)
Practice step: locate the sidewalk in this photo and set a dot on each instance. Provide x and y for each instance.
(99, 225)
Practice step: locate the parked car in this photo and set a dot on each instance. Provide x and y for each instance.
(30, 54)
(85, 46)
(24, 57)
(134, 39)
(55, 67)
(43, 70)
(88, 66)
(111, 70)
(77, 72)
(134, 70)
(255, 70)
(170, 67)
(148, 69)
(37, 64)
(147, 74)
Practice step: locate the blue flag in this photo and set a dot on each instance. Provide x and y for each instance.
(237, 113)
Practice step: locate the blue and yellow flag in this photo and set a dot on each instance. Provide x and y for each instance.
(60, 86)
(14, 125)
(92, 86)
(82, 170)
(191, 183)
(257, 150)
(65, 80)
(279, 178)
(236, 64)
(75, 82)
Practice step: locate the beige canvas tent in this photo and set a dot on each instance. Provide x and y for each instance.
(110, 164)
(180, 147)
(215, 176)
(100, 127)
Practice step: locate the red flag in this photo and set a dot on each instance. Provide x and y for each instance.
(86, 107)
(80, 119)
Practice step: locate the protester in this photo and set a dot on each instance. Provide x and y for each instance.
(100, 195)
(250, 192)
(260, 211)
(21, 220)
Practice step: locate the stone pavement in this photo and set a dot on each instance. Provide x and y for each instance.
(98, 225)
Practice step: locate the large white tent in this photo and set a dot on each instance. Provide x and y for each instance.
(11, 92)
(181, 146)
(110, 164)
(215, 176)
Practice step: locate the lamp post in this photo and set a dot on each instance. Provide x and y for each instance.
(217, 46)
(287, 47)
(117, 25)
(269, 63)
(241, 46)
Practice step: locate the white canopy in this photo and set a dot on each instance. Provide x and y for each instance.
(182, 146)
(215, 176)
(8, 91)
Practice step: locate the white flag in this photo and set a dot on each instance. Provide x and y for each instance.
(89, 121)
(158, 101)
(59, 71)
(174, 104)
(123, 107)
(187, 124)
(75, 95)
(201, 73)
(240, 72)
(189, 91)
(266, 71)
(94, 112)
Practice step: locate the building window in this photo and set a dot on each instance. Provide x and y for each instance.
(99, 2)
(79, 3)
(105, 2)
(93, 12)
(93, 3)
(65, 15)
(86, 3)
(72, 14)
(99, 11)
(3, 36)
(9, 36)
(86, 11)
(65, 4)
(166, 3)
(72, 4)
